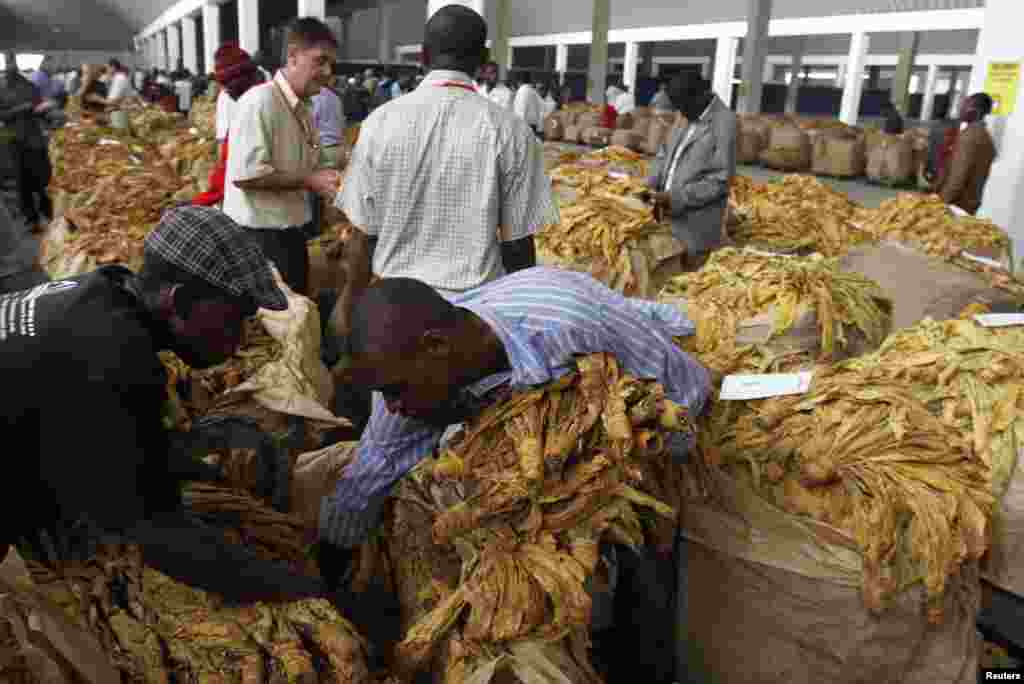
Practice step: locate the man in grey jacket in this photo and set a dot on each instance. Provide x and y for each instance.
(691, 174)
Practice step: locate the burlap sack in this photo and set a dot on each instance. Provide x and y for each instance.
(625, 122)
(597, 136)
(589, 120)
(568, 118)
(658, 133)
(789, 149)
(776, 599)
(553, 128)
(315, 476)
(920, 286)
(573, 134)
(749, 145)
(629, 139)
(891, 160)
(642, 126)
(838, 155)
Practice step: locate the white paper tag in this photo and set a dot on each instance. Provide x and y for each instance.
(984, 261)
(108, 141)
(618, 175)
(194, 131)
(743, 387)
(999, 320)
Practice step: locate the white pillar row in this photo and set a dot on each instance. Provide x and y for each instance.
(598, 72)
(173, 45)
(313, 8)
(796, 70)
(630, 65)
(854, 82)
(930, 86)
(211, 33)
(190, 44)
(249, 25)
(1003, 201)
(561, 59)
(725, 67)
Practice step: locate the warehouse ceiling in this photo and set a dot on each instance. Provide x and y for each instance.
(110, 24)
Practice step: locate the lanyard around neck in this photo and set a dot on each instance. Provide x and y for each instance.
(455, 84)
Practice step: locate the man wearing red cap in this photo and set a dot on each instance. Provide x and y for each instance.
(236, 73)
(275, 153)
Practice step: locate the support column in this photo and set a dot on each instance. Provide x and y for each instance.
(190, 44)
(928, 104)
(796, 71)
(499, 26)
(249, 25)
(630, 65)
(211, 33)
(758, 15)
(874, 77)
(900, 93)
(849, 112)
(561, 60)
(385, 54)
(959, 81)
(313, 8)
(841, 75)
(173, 46)
(725, 68)
(1004, 193)
(598, 74)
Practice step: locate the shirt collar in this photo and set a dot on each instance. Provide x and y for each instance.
(440, 75)
(286, 88)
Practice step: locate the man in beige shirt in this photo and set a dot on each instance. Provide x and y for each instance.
(275, 153)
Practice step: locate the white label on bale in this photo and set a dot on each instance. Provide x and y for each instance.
(983, 260)
(108, 141)
(999, 320)
(744, 387)
(758, 252)
(618, 175)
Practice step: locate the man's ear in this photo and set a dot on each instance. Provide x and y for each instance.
(436, 344)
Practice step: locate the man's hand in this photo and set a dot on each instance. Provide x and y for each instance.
(325, 182)
(658, 199)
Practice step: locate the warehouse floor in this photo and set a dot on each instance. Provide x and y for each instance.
(859, 191)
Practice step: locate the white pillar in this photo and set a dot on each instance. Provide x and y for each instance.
(725, 67)
(630, 65)
(173, 46)
(190, 44)
(841, 74)
(1004, 194)
(796, 70)
(561, 59)
(384, 48)
(959, 86)
(313, 8)
(598, 73)
(930, 86)
(249, 25)
(758, 15)
(909, 43)
(211, 33)
(854, 83)
(498, 28)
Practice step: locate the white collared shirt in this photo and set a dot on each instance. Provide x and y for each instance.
(529, 107)
(501, 96)
(225, 112)
(266, 137)
(434, 176)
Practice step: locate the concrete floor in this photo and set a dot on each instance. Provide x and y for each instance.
(859, 191)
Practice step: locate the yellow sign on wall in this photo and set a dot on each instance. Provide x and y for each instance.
(1001, 85)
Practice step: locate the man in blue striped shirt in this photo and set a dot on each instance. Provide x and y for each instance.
(433, 364)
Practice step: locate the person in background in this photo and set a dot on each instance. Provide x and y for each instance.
(436, 174)
(19, 255)
(49, 85)
(370, 81)
(661, 103)
(383, 92)
(100, 334)
(275, 153)
(564, 95)
(544, 91)
(329, 119)
(93, 93)
(138, 79)
(263, 64)
(163, 79)
(502, 94)
(74, 81)
(21, 112)
(529, 107)
(690, 176)
(486, 78)
(356, 100)
(962, 183)
(893, 120)
(120, 90)
(237, 74)
(626, 102)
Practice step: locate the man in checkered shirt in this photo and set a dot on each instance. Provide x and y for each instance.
(444, 186)
(84, 426)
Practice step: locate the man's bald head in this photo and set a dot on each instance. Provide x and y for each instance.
(393, 314)
(455, 37)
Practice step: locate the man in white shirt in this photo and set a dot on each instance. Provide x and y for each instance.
(550, 104)
(444, 186)
(624, 103)
(529, 107)
(501, 95)
(120, 89)
(275, 153)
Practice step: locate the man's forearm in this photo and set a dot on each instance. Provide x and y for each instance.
(519, 255)
(278, 180)
(360, 270)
